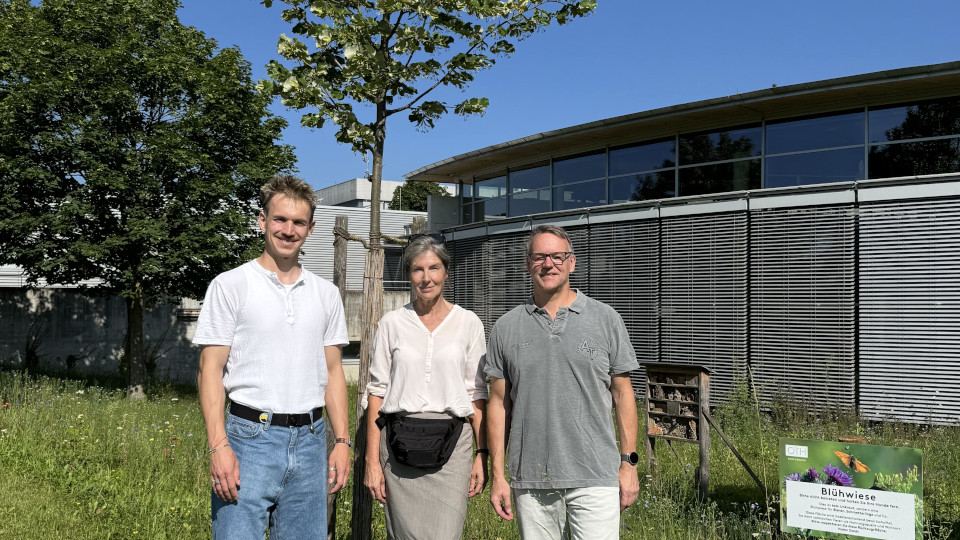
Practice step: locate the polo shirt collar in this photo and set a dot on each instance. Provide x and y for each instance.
(577, 306)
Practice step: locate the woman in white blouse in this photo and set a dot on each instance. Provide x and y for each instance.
(427, 364)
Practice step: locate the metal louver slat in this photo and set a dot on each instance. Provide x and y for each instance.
(802, 280)
(703, 284)
(624, 264)
(910, 310)
(507, 279)
(469, 277)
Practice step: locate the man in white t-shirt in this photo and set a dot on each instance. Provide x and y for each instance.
(271, 334)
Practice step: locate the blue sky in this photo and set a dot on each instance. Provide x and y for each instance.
(630, 56)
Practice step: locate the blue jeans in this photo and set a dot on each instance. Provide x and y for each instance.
(283, 482)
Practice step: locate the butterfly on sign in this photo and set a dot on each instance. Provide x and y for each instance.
(851, 462)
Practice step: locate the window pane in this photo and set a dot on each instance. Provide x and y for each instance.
(720, 178)
(579, 168)
(468, 213)
(813, 133)
(729, 144)
(580, 195)
(490, 209)
(530, 202)
(466, 190)
(929, 119)
(909, 159)
(492, 187)
(642, 157)
(642, 187)
(815, 168)
(533, 178)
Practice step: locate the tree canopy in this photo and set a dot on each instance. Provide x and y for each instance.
(131, 150)
(413, 195)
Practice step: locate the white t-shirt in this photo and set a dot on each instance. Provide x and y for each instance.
(276, 336)
(415, 370)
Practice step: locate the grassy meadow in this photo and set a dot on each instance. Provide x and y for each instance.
(79, 461)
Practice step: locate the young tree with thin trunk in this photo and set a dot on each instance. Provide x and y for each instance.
(131, 153)
(395, 56)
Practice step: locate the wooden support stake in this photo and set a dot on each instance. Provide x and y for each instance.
(706, 414)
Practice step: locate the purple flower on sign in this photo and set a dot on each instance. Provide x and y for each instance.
(794, 476)
(837, 477)
(811, 475)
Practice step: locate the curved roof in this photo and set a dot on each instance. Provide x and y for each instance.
(882, 87)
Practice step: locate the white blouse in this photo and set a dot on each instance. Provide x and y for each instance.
(415, 370)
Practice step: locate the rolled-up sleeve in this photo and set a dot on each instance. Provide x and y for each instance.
(474, 378)
(380, 364)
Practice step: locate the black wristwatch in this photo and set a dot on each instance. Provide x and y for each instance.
(632, 458)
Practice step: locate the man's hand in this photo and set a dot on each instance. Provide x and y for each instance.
(629, 485)
(225, 474)
(339, 467)
(500, 497)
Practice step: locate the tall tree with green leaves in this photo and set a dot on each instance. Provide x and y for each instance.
(380, 58)
(413, 195)
(131, 152)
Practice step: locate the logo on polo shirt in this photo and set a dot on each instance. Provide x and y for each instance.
(589, 349)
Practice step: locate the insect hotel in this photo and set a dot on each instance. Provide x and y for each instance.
(677, 400)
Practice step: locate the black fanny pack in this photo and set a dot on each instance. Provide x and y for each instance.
(425, 443)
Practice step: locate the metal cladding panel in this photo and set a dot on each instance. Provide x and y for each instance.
(318, 249)
(508, 284)
(802, 285)
(624, 263)
(469, 276)
(910, 311)
(703, 301)
(580, 236)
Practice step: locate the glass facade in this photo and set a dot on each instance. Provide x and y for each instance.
(904, 139)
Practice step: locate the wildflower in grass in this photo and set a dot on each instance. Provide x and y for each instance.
(837, 477)
(5, 405)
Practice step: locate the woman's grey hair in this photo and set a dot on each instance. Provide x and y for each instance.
(420, 246)
(548, 229)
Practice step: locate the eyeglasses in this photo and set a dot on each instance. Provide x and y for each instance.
(557, 257)
(436, 237)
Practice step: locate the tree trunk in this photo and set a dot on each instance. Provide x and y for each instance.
(133, 347)
(372, 311)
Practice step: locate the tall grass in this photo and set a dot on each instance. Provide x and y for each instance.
(79, 461)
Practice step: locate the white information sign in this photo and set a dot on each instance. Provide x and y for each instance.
(867, 513)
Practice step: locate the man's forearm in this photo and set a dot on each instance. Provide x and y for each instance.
(625, 405)
(336, 394)
(497, 420)
(212, 394)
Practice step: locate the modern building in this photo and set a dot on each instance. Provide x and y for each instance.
(356, 193)
(803, 238)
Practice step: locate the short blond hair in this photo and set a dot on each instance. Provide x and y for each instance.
(290, 186)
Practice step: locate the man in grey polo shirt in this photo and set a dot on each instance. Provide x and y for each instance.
(556, 365)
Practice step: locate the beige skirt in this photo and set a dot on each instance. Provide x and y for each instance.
(428, 504)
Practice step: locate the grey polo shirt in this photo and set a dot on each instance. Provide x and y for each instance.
(559, 372)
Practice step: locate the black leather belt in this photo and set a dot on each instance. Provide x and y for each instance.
(278, 419)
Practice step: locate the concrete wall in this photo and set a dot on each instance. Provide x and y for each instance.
(91, 330)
